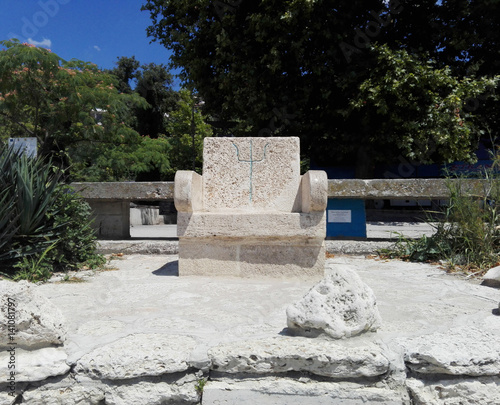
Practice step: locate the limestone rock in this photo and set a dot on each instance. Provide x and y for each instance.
(137, 356)
(460, 351)
(483, 390)
(492, 277)
(154, 391)
(38, 322)
(36, 365)
(341, 305)
(283, 354)
(65, 391)
(6, 399)
(281, 391)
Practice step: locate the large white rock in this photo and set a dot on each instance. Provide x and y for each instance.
(283, 354)
(280, 391)
(492, 277)
(36, 365)
(341, 305)
(138, 356)
(38, 322)
(473, 391)
(460, 351)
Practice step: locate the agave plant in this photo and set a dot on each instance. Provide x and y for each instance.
(8, 223)
(28, 190)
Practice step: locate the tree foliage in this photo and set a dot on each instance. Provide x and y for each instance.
(301, 67)
(152, 82)
(422, 109)
(64, 104)
(186, 123)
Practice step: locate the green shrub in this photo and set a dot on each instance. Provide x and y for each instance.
(77, 242)
(44, 225)
(468, 235)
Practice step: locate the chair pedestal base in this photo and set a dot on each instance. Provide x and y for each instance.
(243, 257)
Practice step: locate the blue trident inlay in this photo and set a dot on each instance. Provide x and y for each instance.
(251, 161)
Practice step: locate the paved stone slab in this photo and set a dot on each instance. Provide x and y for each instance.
(138, 356)
(467, 391)
(291, 392)
(154, 391)
(283, 354)
(64, 392)
(461, 351)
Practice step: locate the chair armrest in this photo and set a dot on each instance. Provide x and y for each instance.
(188, 191)
(314, 191)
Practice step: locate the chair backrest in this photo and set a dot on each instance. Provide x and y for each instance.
(251, 174)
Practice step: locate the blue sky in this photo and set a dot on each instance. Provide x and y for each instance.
(89, 30)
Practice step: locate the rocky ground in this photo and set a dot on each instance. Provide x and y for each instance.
(139, 334)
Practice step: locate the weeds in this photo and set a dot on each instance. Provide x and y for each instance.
(468, 235)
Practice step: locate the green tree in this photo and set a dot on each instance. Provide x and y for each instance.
(294, 67)
(71, 107)
(153, 82)
(185, 124)
(420, 110)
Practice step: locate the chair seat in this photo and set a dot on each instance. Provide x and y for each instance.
(266, 224)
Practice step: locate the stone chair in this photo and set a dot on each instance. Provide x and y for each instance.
(251, 213)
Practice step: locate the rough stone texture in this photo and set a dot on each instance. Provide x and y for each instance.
(283, 354)
(137, 356)
(257, 173)
(65, 391)
(154, 391)
(38, 322)
(36, 365)
(483, 391)
(6, 399)
(460, 351)
(340, 305)
(280, 391)
(492, 277)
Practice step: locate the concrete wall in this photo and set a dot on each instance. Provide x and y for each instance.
(111, 201)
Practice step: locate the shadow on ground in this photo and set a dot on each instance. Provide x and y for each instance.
(169, 269)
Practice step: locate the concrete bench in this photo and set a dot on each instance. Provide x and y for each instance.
(111, 201)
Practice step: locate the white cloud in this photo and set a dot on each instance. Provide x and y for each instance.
(97, 48)
(45, 43)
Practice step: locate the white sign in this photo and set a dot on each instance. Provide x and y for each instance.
(25, 145)
(339, 216)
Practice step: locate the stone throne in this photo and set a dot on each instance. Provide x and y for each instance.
(251, 212)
